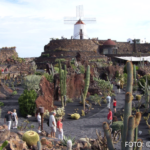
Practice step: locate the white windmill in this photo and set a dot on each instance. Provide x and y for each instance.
(79, 23)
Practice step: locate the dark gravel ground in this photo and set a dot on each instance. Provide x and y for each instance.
(85, 126)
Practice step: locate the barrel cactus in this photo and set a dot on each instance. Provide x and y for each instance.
(75, 116)
(31, 138)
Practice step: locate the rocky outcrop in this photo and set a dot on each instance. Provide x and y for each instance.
(46, 96)
(4, 91)
(6, 53)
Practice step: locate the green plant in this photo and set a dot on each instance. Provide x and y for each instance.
(96, 98)
(45, 55)
(69, 100)
(82, 113)
(32, 82)
(60, 59)
(1, 104)
(49, 77)
(75, 116)
(31, 138)
(60, 112)
(138, 97)
(46, 114)
(116, 126)
(4, 145)
(39, 146)
(64, 84)
(65, 139)
(105, 101)
(14, 93)
(38, 73)
(27, 102)
(87, 82)
(82, 69)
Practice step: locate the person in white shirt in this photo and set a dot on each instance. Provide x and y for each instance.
(14, 119)
(108, 98)
(39, 121)
(52, 124)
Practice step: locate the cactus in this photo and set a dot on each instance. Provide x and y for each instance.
(64, 84)
(61, 83)
(39, 146)
(128, 100)
(4, 145)
(108, 136)
(134, 73)
(146, 89)
(130, 131)
(53, 73)
(87, 82)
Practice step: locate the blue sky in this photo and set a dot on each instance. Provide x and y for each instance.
(29, 24)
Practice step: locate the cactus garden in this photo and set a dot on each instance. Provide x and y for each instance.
(76, 91)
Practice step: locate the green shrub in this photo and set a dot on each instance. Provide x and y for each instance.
(50, 77)
(14, 93)
(38, 73)
(69, 100)
(117, 74)
(143, 80)
(1, 104)
(65, 140)
(45, 55)
(32, 82)
(27, 102)
(116, 126)
(82, 69)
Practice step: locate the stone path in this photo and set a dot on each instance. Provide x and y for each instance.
(76, 128)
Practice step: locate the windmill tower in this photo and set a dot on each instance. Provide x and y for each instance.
(79, 23)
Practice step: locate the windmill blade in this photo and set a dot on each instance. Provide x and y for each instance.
(89, 20)
(79, 11)
(70, 20)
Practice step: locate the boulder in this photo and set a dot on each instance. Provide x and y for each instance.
(46, 95)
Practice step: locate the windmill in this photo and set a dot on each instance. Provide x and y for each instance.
(79, 23)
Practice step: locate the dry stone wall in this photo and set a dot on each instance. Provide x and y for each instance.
(7, 53)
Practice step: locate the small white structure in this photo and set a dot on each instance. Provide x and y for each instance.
(80, 30)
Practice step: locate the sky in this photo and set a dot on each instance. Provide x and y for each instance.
(29, 24)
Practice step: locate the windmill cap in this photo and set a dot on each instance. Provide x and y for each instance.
(79, 22)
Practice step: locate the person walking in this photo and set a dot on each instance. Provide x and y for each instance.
(109, 117)
(60, 128)
(14, 119)
(108, 98)
(52, 124)
(8, 119)
(114, 104)
(39, 122)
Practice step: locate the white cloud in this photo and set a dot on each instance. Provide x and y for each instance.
(29, 24)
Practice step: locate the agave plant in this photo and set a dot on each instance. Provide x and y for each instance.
(65, 139)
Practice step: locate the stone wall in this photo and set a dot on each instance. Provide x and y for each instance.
(124, 47)
(7, 53)
(84, 45)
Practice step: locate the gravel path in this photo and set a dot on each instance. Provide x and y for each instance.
(76, 128)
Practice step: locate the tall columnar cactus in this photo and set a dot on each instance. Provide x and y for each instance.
(146, 89)
(87, 82)
(39, 146)
(108, 136)
(53, 73)
(61, 83)
(128, 100)
(134, 73)
(64, 84)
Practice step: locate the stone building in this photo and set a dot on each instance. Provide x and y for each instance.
(89, 49)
